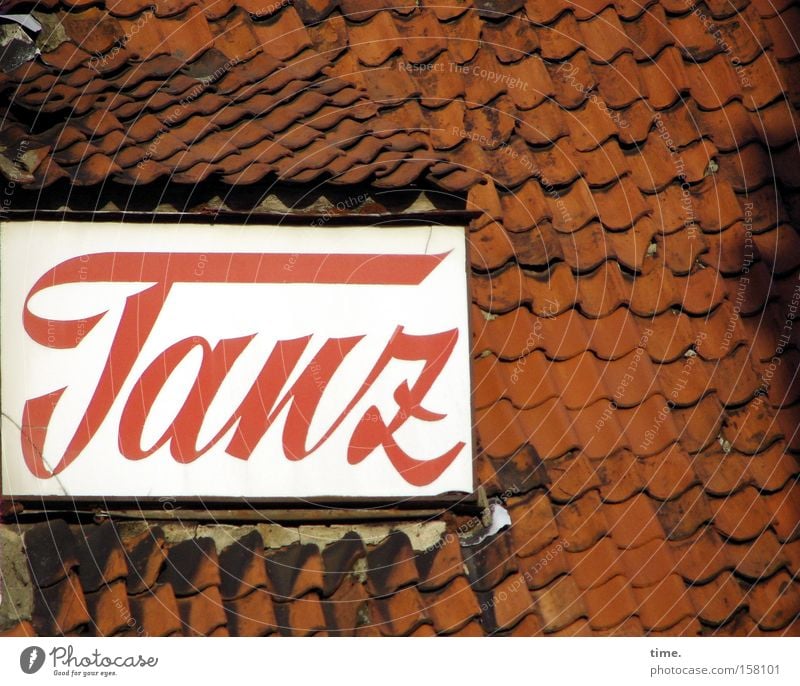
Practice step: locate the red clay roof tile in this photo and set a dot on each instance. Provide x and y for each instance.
(109, 610)
(76, 153)
(65, 57)
(507, 604)
(648, 564)
(541, 569)
(719, 600)
(463, 36)
(19, 630)
(52, 552)
(560, 604)
(328, 37)
(782, 30)
(234, 37)
(347, 609)
(582, 523)
(578, 628)
(401, 613)
(752, 428)
(792, 554)
(339, 559)
(561, 39)
(529, 626)
(583, 380)
(218, 9)
(375, 40)
(650, 34)
(620, 476)
(390, 565)
(702, 557)
(452, 607)
(191, 566)
(769, 8)
(760, 559)
(683, 516)
(242, 567)
(571, 477)
(203, 613)
(610, 604)
(532, 524)
(490, 563)
(424, 630)
(60, 608)
(422, 37)
(596, 565)
(785, 507)
(633, 523)
(511, 39)
(295, 571)
(663, 605)
(668, 474)
(146, 555)
(630, 627)
(604, 36)
(440, 564)
(776, 602)
(473, 629)
(250, 615)
(92, 31)
(723, 473)
(101, 558)
(771, 470)
(544, 12)
(302, 617)
(688, 626)
(166, 8)
(146, 38)
(282, 37)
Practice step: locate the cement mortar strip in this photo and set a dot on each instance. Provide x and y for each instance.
(16, 590)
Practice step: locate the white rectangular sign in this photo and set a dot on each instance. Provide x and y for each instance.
(245, 361)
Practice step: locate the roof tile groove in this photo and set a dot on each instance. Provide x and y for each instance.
(109, 609)
(251, 615)
(242, 567)
(102, 559)
(192, 566)
(60, 608)
(295, 571)
(52, 552)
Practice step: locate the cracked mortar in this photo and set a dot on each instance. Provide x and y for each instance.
(16, 592)
(422, 536)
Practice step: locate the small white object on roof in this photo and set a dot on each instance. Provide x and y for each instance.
(500, 519)
(26, 21)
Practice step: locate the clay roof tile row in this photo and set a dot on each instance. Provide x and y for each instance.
(605, 564)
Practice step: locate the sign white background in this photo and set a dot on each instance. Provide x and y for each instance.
(215, 311)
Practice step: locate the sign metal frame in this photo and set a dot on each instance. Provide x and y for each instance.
(189, 507)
